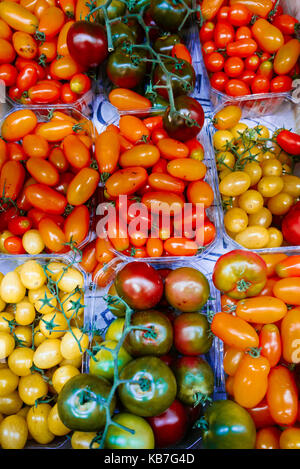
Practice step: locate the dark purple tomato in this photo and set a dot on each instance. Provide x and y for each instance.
(140, 285)
(191, 334)
(170, 427)
(187, 121)
(186, 289)
(87, 43)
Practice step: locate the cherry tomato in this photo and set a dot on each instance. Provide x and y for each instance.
(51, 22)
(242, 48)
(45, 198)
(169, 427)
(76, 226)
(243, 32)
(261, 415)
(237, 87)
(290, 336)
(52, 235)
(268, 37)
(206, 32)
(82, 186)
(89, 261)
(126, 181)
(260, 84)
(252, 62)
(19, 225)
(8, 74)
(234, 331)
(214, 62)
(261, 310)
(290, 438)
(11, 179)
(42, 171)
(223, 34)
(219, 80)
(288, 289)
(282, 396)
(233, 67)
(128, 100)
(270, 343)
(281, 84)
(268, 438)
(13, 245)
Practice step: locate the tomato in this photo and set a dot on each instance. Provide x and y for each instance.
(231, 360)
(261, 415)
(13, 432)
(250, 381)
(191, 334)
(223, 34)
(282, 396)
(163, 202)
(227, 118)
(51, 22)
(139, 285)
(76, 152)
(239, 15)
(186, 289)
(8, 74)
(290, 438)
(246, 277)
(242, 48)
(141, 437)
(128, 100)
(268, 37)
(126, 181)
(286, 57)
(169, 427)
(84, 440)
(281, 84)
(229, 426)
(35, 146)
(165, 182)
(290, 336)
(187, 169)
(208, 47)
(52, 235)
(178, 125)
(13, 245)
(42, 171)
(11, 179)
(268, 438)
(18, 17)
(252, 62)
(89, 261)
(219, 80)
(45, 198)
(214, 62)
(143, 155)
(44, 93)
(18, 124)
(260, 84)
(262, 310)
(286, 23)
(243, 32)
(206, 32)
(76, 226)
(87, 43)
(287, 289)
(234, 331)
(270, 343)
(154, 247)
(236, 87)
(102, 363)
(82, 186)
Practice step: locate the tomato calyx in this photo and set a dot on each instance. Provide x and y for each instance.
(200, 398)
(254, 352)
(201, 424)
(242, 285)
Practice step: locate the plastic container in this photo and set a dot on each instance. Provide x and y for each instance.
(212, 212)
(286, 115)
(9, 263)
(102, 318)
(43, 113)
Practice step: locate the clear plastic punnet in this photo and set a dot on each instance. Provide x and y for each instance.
(286, 115)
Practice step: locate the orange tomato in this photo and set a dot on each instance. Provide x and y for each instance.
(58, 159)
(133, 129)
(82, 10)
(288, 267)
(118, 236)
(104, 250)
(64, 68)
(126, 181)
(35, 146)
(268, 288)
(7, 52)
(62, 47)
(290, 334)
(234, 331)
(56, 130)
(52, 235)
(5, 31)
(48, 51)
(282, 396)
(165, 182)
(250, 381)
(271, 261)
(25, 45)
(154, 247)
(290, 438)
(171, 149)
(187, 169)
(3, 153)
(200, 192)
(42, 171)
(181, 52)
(76, 152)
(128, 100)
(51, 22)
(18, 124)
(88, 260)
(229, 385)
(163, 202)
(76, 226)
(82, 186)
(107, 151)
(18, 17)
(288, 290)
(104, 273)
(144, 155)
(268, 438)
(11, 179)
(232, 359)
(270, 343)
(40, 7)
(262, 309)
(180, 247)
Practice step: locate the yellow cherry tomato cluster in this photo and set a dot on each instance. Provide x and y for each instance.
(255, 180)
(41, 348)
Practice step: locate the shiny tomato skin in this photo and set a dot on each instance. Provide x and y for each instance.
(170, 427)
(282, 396)
(76, 226)
(261, 415)
(52, 235)
(11, 179)
(234, 331)
(46, 199)
(42, 171)
(82, 186)
(191, 334)
(270, 343)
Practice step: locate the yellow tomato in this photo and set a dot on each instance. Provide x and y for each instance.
(11, 289)
(235, 184)
(38, 336)
(238, 130)
(227, 117)
(223, 140)
(6, 322)
(236, 220)
(291, 185)
(7, 344)
(33, 242)
(262, 218)
(18, 17)
(25, 312)
(24, 411)
(13, 432)
(225, 159)
(32, 387)
(8, 381)
(224, 173)
(262, 131)
(61, 375)
(74, 343)
(253, 237)
(269, 186)
(32, 275)
(83, 440)
(55, 424)
(23, 335)
(21, 360)
(252, 153)
(254, 171)
(251, 201)
(271, 167)
(53, 325)
(47, 354)
(76, 362)
(43, 300)
(54, 268)
(275, 238)
(115, 330)
(37, 421)
(70, 304)
(280, 204)
(11, 403)
(70, 280)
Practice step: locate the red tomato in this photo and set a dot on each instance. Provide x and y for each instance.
(208, 47)
(261, 415)
(169, 428)
(207, 31)
(45, 198)
(281, 84)
(214, 62)
(252, 62)
(242, 48)
(243, 33)
(223, 34)
(260, 84)
(237, 87)
(13, 245)
(268, 438)
(8, 74)
(270, 343)
(219, 80)
(239, 15)
(233, 67)
(26, 78)
(247, 76)
(19, 225)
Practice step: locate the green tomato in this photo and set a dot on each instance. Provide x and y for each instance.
(119, 438)
(126, 69)
(115, 330)
(102, 364)
(167, 14)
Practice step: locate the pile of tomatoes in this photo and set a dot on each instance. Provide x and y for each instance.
(35, 63)
(256, 181)
(156, 343)
(46, 181)
(41, 348)
(250, 47)
(259, 325)
(142, 161)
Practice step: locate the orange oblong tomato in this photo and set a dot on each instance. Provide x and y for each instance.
(126, 181)
(5, 31)
(44, 92)
(133, 129)
(25, 45)
(82, 186)
(165, 182)
(144, 155)
(180, 247)
(268, 37)
(55, 130)
(35, 146)
(52, 235)
(187, 169)
(270, 343)
(42, 171)
(51, 22)
(128, 100)
(286, 57)
(250, 382)
(88, 260)
(107, 151)
(271, 261)
(290, 335)
(64, 68)
(62, 47)
(46, 199)
(18, 17)
(76, 152)
(7, 52)
(11, 179)
(231, 360)
(171, 149)
(154, 247)
(163, 202)
(76, 226)
(3, 153)
(258, 7)
(234, 331)
(104, 250)
(282, 396)
(268, 438)
(200, 192)
(288, 267)
(288, 290)
(118, 236)
(261, 310)
(105, 273)
(18, 124)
